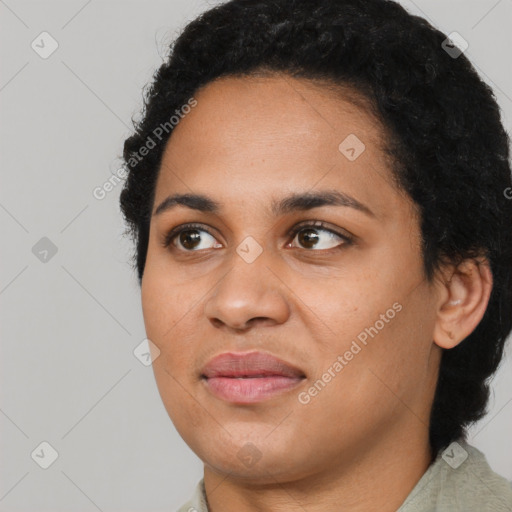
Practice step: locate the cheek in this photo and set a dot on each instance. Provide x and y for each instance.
(381, 331)
(165, 310)
(348, 305)
(165, 305)
(170, 319)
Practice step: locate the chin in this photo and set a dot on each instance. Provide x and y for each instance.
(260, 462)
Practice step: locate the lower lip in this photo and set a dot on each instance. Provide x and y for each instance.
(250, 390)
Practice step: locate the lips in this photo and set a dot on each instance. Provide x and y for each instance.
(249, 377)
(249, 364)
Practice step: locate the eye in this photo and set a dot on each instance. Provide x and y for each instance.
(194, 237)
(310, 237)
(190, 239)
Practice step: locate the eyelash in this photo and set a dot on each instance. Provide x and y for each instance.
(347, 240)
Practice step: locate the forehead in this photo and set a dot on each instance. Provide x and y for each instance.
(263, 134)
(276, 109)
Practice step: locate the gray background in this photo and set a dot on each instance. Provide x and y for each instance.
(69, 324)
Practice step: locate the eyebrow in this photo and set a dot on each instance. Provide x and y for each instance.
(294, 202)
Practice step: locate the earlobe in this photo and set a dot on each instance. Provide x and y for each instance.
(465, 295)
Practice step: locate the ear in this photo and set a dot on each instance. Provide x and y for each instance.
(464, 294)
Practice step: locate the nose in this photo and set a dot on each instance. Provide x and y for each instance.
(248, 294)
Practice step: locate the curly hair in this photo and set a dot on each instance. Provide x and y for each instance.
(450, 151)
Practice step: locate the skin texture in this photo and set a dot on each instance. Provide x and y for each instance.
(362, 441)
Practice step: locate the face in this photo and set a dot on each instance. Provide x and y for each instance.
(303, 249)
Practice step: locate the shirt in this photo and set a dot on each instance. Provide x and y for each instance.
(459, 480)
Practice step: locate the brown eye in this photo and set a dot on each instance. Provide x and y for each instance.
(318, 237)
(191, 239)
(308, 237)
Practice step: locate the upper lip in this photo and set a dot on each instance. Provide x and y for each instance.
(249, 364)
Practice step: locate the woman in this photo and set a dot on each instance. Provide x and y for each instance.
(317, 193)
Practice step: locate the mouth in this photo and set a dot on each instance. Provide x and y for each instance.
(249, 377)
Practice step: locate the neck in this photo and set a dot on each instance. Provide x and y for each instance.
(379, 477)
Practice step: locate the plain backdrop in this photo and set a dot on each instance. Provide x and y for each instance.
(70, 303)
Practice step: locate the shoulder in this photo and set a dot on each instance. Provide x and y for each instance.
(460, 479)
(479, 484)
(197, 502)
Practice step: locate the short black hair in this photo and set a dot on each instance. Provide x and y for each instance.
(449, 147)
